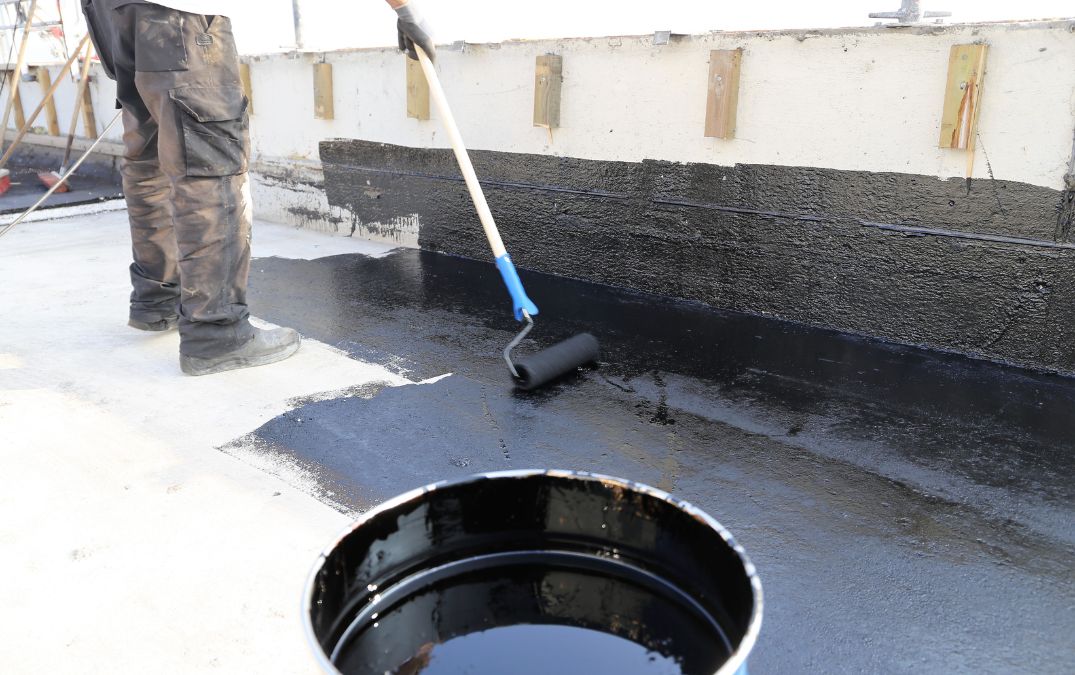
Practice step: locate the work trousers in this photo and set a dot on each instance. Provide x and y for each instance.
(187, 147)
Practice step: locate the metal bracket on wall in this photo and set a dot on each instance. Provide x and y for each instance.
(962, 99)
(910, 11)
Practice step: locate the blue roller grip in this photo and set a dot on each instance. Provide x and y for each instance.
(515, 287)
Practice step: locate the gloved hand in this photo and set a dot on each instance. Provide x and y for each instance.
(413, 30)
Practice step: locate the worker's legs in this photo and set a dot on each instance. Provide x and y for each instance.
(185, 73)
(155, 271)
(187, 148)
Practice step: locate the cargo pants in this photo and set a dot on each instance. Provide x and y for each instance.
(187, 146)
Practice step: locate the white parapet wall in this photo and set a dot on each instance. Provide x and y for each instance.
(855, 99)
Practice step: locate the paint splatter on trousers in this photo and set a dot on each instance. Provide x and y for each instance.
(186, 133)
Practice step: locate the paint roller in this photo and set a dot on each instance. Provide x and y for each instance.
(535, 370)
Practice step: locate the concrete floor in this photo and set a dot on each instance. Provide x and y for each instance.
(128, 543)
(908, 511)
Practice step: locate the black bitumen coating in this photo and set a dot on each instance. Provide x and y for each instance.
(95, 181)
(981, 267)
(908, 510)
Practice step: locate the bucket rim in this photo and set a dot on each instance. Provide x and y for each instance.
(734, 663)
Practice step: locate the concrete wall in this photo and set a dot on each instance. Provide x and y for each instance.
(856, 99)
(862, 99)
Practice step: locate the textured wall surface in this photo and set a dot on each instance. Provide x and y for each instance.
(984, 268)
(853, 99)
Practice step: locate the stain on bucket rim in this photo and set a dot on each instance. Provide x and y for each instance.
(741, 649)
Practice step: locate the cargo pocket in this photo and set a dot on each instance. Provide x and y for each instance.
(215, 136)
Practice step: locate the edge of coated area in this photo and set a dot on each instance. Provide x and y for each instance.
(735, 664)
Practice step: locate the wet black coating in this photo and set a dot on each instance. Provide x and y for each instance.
(95, 181)
(908, 510)
(563, 358)
(540, 649)
(535, 549)
(981, 267)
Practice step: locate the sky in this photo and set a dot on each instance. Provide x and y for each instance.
(332, 24)
(267, 25)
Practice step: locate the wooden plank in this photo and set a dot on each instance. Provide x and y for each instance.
(244, 77)
(20, 113)
(44, 78)
(64, 69)
(962, 94)
(79, 145)
(548, 80)
(323, 99)
(722, 100)
(80, 96)
(14, 93)
(89, 119)
(417, 90)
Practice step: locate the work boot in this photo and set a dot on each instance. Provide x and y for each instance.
(267, 346)
(167, 323)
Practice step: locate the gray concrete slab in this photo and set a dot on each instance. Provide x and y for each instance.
(128, 543)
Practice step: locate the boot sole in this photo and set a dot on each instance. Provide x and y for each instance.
(192, 365)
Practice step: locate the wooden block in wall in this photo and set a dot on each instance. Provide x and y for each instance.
(44, 77)
(962, 93)
(323, 105)
(417, 90)
(89, 120)
(722, 100)
(244, 78)
(548, 78)
(20, 114)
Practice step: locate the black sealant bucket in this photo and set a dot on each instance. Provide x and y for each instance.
(530, 572)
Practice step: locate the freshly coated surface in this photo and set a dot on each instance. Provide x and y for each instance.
(909, 511)
(980, 267)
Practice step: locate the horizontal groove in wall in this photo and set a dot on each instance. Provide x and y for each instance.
(724, 208)
(485, 182)
(954, 234)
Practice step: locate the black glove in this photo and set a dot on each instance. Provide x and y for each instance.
(413, 30)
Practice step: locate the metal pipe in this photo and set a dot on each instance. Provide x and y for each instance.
(300, 40)
(36, 26)
(910, 11)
